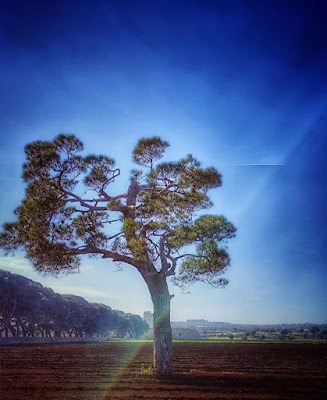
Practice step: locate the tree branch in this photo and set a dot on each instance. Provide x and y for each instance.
(189, 255)
(117, 234)
(116, 257)
(155, 246)
(83, 202)
(172, 269)
(163, 255)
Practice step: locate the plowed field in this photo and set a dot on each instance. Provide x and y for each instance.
(117, 370)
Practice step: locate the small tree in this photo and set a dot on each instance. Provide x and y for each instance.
(314, 330)
(146, 227)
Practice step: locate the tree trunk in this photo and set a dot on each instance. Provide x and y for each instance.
(162, 334)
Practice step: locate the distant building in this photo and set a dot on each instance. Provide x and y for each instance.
(197, 322)
(178, 334)
(185, 334)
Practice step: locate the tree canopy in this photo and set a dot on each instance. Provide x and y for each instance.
(68, 211)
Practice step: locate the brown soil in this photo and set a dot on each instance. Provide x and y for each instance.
(201, 371)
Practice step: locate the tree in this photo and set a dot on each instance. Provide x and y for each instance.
(156, 226)
(314, 330)
(8, 304)
(136, 326)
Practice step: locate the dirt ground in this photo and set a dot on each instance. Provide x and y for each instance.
(118, 370)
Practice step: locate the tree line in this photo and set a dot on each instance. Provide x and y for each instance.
(28, 309)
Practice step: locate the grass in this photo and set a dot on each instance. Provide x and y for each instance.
(147, 370)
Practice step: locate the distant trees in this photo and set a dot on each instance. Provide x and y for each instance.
(322, 334)
(28, 309)
(315, 330)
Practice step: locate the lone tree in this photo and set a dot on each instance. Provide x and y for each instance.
(69, 211)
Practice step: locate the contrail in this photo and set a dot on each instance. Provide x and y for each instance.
(259, 164)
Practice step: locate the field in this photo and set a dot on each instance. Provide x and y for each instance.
(119, 370)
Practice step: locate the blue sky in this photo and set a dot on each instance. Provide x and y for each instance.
(233, 83)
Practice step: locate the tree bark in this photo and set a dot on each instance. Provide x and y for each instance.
(162, 334)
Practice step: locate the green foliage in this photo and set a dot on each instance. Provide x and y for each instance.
(131, 226)
(88, 228)
(68, 144)
(148, 150)
(205, 266)
(186, 174)
(147, 370)
(205, 227)
(215, 227)
(136, 326)
(101, 171)
(139, 248)
(41, 156)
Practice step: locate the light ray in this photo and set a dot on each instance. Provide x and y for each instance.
(123, 368)
(125, 365)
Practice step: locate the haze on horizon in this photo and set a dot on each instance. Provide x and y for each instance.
(240, 85)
